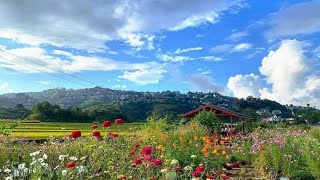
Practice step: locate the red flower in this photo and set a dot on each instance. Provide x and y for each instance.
(146, 150)
(118, 121)
(148, 158)
(178, 168)
(196, 173)
(137, 160)
(94, 126)
(210, 177)
(200, 168)
(106, 124)
(75, 134)
(96, 134)
(70, 165)
(158, 162)
(113, 135)
(224, 176)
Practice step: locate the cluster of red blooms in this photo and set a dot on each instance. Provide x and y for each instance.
(106, 124)
(75, 134)
(146, 152)
(198, 171)
(70, 165)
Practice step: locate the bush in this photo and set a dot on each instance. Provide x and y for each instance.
(208, 119)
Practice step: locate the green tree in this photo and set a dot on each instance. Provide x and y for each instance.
(208, 119)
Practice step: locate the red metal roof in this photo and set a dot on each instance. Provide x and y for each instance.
(212, 107)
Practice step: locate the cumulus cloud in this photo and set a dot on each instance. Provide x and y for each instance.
(145, 76)
(290, 73)
(243, 86)
(88, 24)
(71, 64)
(300, 18)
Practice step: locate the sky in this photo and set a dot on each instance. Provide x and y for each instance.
(260, 48)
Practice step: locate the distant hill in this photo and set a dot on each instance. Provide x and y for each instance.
(139, 105)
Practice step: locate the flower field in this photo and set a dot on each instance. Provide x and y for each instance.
(161, 151)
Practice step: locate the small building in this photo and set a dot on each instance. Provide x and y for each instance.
(226, 115)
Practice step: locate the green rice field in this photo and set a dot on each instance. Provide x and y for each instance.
(40, 130)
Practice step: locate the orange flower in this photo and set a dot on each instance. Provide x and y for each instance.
(207, 146)
(174, 145)
(206, 154)
(222, 142)
(163, 136)
(204, 149)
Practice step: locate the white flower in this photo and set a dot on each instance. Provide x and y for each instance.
(64, 172)
(163, 170)
(193, 156)
(41, 160)
(73, 158)
(45, 156)
(21, 166)
(7, 170)
(188, 168)
(44, 165)
(174, 162)
(25, 170)
(61, 157)
(8, 178)
(37, 152)
(81, 169)
(195, 178)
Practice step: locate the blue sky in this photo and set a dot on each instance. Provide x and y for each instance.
(266, 49)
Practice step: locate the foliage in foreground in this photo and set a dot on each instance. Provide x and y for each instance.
(158, 151)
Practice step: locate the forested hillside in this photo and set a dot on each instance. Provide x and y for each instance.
(99, 103)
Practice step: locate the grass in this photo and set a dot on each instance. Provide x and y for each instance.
(41, 130)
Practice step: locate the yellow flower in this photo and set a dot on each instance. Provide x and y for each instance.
(215, 151)
(195, 137)
(181, 138)
(223, 152)
(122, 176)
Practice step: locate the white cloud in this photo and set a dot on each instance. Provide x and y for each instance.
(202, 82)
(301, 18)
(4, 88)
(231, 48)
(243, 86)
(196, 20)
(179, 51)
(145, 76)
(4, 85)
(290, 73)
(59, 52)
(89, 24)
(73, 64)
(242, 47)
(237, 35)
(211, 58)
(167, 58)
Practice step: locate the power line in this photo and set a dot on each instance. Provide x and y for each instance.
(48, 67)
(43, 71)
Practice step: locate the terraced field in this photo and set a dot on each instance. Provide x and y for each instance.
(57, 129)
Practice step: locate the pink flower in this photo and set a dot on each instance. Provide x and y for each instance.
(146, 150)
